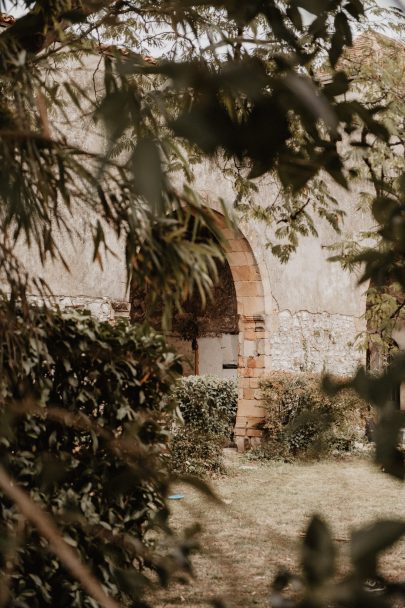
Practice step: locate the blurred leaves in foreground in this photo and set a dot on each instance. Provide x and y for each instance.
(364, 586)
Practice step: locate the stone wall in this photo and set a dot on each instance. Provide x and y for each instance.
(313, 342)
(103, 309)
(303, 315)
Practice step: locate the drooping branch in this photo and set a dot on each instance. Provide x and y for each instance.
(46, 527)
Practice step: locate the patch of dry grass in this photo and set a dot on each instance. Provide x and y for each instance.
(267, 507)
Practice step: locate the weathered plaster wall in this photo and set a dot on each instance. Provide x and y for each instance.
(98, 288)
(303, 315)
(313, 308)
(86, 284)
(305, 341)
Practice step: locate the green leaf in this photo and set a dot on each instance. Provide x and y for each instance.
(383, 208)
(316, 7)
(148, 174)
(296, 172)
(312, 99)
(295, 16)
(318, 553)
(336, 46)
(355, 8)
(338, 86)
(369, 542)
(342, 25)
(386, 436)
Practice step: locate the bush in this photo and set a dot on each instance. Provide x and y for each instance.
(82, 404)
(301, 420)
(208, 408)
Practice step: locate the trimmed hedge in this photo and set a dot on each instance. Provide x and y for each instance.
(302, 421)
(207, 405)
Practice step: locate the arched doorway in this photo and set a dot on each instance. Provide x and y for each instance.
(207, 335)
(227, 338)
(252, 336)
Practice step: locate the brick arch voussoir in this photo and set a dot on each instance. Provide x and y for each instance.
(252, 334)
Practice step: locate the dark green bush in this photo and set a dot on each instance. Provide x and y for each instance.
(82, 405)
(302, 421)
(208, 408)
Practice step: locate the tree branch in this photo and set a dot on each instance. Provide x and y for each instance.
(46, 527)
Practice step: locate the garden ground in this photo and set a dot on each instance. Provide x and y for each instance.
(266, 508)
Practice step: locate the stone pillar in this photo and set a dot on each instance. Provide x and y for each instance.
(251, 365)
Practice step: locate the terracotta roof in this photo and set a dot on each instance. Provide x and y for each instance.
(371, 46)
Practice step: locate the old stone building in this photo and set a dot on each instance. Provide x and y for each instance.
(264, 315)
(304, 315)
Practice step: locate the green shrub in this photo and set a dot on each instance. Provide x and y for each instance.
(208, 408)
(82, 404)
(302, 421)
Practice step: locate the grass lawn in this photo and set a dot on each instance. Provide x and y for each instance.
(267, 507)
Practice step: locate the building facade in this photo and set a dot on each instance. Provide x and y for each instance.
(304, 315)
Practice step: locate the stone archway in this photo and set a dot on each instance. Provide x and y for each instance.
(239, 312)
(252, 333)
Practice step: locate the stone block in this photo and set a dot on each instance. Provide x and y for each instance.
(248, 334)
(240, 444)
(221, 221)
(248, 393)
(255, 433)
(252, 305)
(261, 361)
(255, 442)
(250, 407)
(250, 372)
(228, 234)
(244, 383)
(245, 246)
(256, 362)
(241, 273)
(237, 258)
(258, 373)
(238, 245)
(251, 362)
(241, 422)
(248, 288)
(248, 426)
(253, 421)
(244, 372)
(249, 348)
